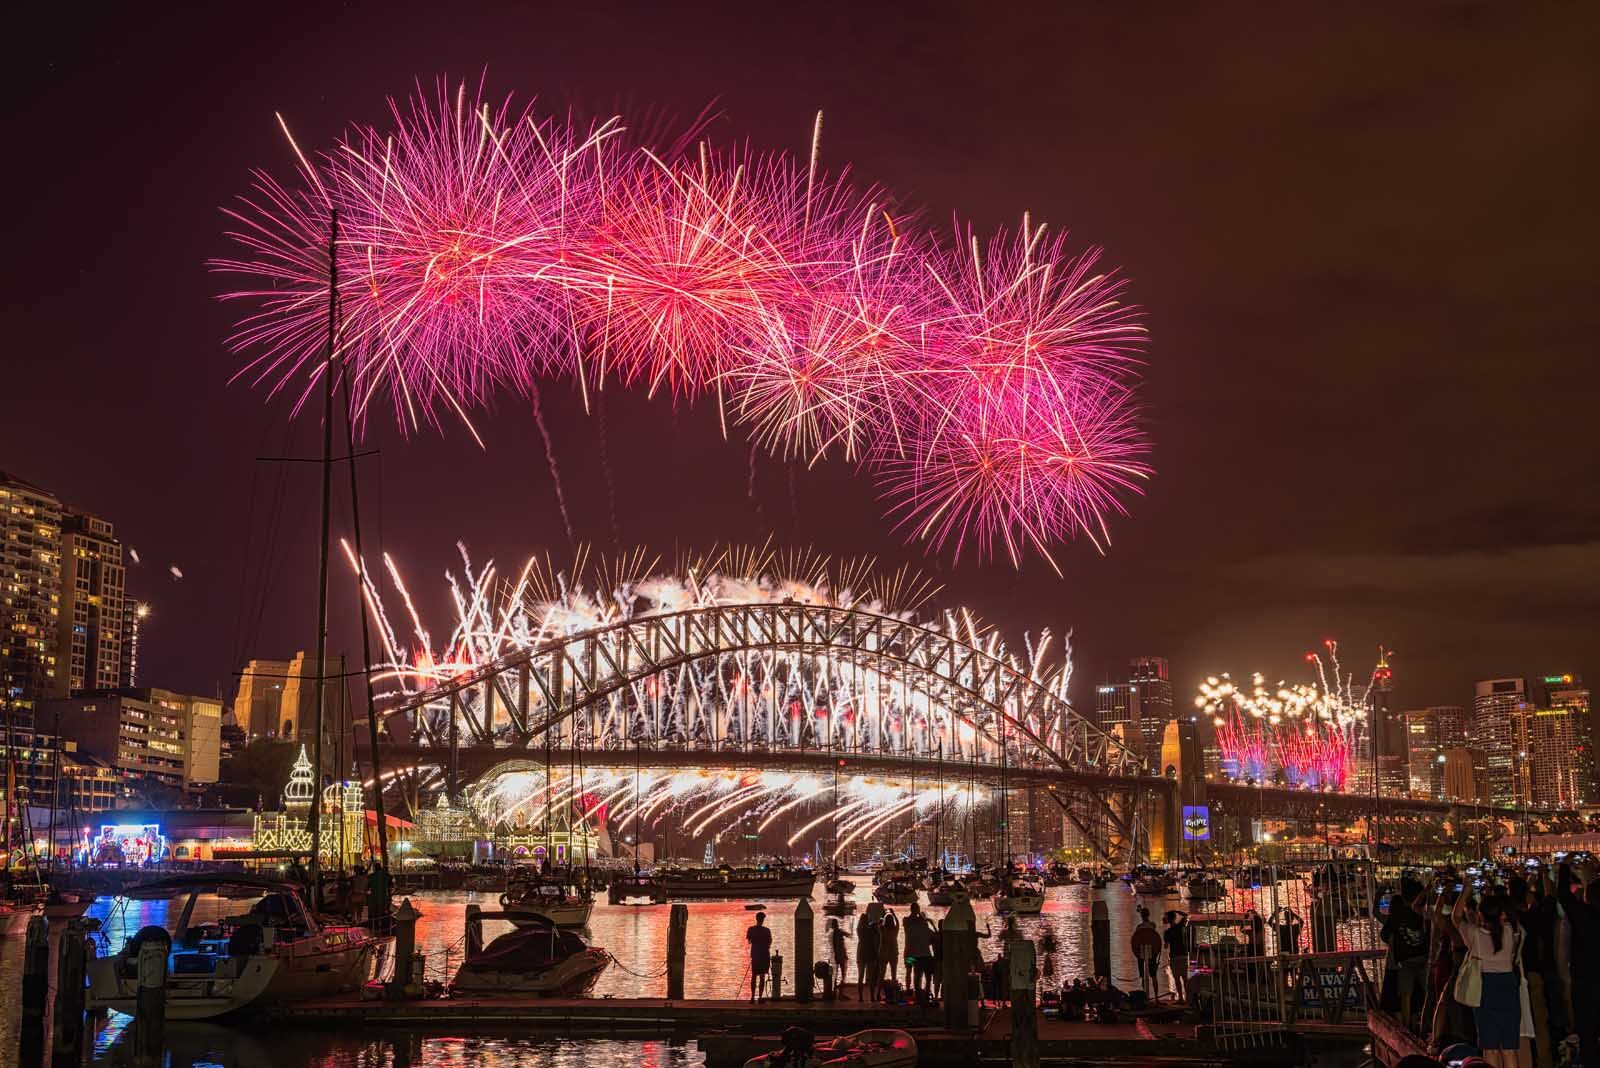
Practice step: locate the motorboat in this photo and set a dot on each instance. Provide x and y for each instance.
(881, 1047)
(756, 884)
(1203, 886)
(530, 904)
(1155, 882)
(837, 884)
(1086, 875)
(625, 888)
(1058, 875)
(537, 959)
(943, 894)
(1020, 897)
(896, 892)
(278, 951)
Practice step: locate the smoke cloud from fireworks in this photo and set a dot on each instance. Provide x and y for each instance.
(987, 386)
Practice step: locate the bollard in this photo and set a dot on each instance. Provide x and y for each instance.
(1100, 933)
(677, 940)
(67, 1044)
(1024, 1016)
(473, 940)
(803, 950)
(150, 1004)
(955, 934)
(775, 973)
(405, 947)
(35, 989)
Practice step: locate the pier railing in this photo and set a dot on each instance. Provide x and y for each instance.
(1259, 1001)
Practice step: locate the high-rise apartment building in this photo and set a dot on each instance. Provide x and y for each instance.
(1465, 775)
(146, 734)
(1497, 707)
(90, 627)
(1454, 725)
(30, 594)
(1550, 771)
(1117, 711)
(1424, 766)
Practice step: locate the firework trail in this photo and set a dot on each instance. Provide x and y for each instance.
(550, 459)
(986, 385)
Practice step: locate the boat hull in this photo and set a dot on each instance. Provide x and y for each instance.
(1019, 904)
(14, 919)
(188, 998)
(564, 914)
(878, 1048)
(572, 977)
(752, 889)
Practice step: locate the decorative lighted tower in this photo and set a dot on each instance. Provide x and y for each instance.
(289, 832)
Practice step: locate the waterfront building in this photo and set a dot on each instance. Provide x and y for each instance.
(30, 595)
(1424, 753)
(1497, 708)
(89, 631)
(152, 737)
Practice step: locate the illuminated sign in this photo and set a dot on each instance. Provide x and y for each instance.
(129, 843)
(1196, 823)
(1551, 680)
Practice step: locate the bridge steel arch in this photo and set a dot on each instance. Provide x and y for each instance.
(771, 678)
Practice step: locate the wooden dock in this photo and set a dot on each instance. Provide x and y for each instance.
(585, 1016)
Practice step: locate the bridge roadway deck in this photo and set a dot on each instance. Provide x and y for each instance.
(475, 760)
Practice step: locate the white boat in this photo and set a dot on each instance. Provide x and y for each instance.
(276, 952)
(536, 959)
(531, 904)
(1020, 897)
(880, 1047)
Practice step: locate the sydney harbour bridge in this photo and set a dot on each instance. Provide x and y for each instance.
(810, 690)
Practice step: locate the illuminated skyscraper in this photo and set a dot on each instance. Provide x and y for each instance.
(1497, 707)
(1566, 691)
(1148, 675)
(1424, 766)
(1388, 730)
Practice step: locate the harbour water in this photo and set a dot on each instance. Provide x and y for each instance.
(636, 935)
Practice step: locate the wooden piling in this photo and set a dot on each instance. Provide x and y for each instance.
(35, 989)
(1024, 1014)
(150, 1004)
(67, 1043)
(405, 947)
(955, 933)
(1100, 934)
(677, 944)
(803, 933)
(473, 939)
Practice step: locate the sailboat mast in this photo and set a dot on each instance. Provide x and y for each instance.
(322, 555)
(366, 640)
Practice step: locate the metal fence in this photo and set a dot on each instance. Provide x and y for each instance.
(1289, 947)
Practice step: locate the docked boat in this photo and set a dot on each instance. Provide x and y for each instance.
(530, 904)
(631, 887)
(837, 884)
(838, 905)
(896, 892)
(1155, 884)
(14, 916)
(537, 959)
(878, 1048)
(756, 884)
(1203, 886)
(1019, 897)
(67, 905)
(278, 951)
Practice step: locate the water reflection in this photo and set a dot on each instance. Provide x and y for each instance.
(634, 934)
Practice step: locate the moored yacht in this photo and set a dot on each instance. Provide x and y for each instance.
(277, 951)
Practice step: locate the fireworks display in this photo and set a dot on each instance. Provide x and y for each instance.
(770, 699)
(1302, 734)
(987, 386)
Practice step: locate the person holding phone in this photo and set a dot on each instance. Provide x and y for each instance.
(1493, 936)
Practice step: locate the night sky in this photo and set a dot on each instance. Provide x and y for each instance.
(1364, 239)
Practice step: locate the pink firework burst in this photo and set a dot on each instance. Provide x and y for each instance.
(1027, 432)
(830, 366)
(989, 387)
